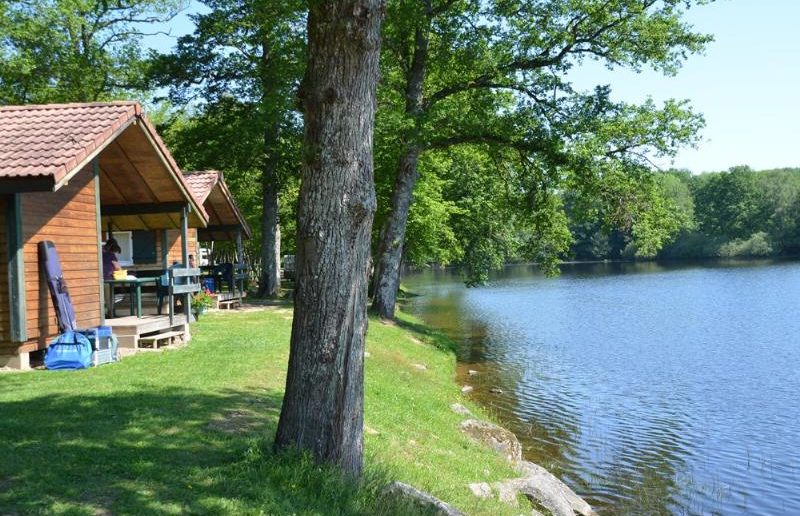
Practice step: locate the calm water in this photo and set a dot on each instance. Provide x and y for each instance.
(648, 389)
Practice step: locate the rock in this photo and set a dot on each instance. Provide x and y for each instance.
(367, 354)
(497, 438)
(460, 409)
(481, 490)
(472, 372)
(467, 388)
(421, 367)
(540, 485)
(421, 499)
(496, 390)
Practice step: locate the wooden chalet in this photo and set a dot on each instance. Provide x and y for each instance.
(74, 174)
(225, 223)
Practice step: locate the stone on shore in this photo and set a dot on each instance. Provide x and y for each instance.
(460, 409)
(467, 388)
(496, 437)
(425, 501)
(481, 490)
(421, 367)
(540, 485)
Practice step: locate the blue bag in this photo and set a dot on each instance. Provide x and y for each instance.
(71, 350)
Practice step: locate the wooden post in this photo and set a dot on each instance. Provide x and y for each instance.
(99, 224)
(187, 298)
(16, 270)
(239, 262)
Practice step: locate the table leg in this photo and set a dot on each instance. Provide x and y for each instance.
(111, 301)
(139, 300)
(130, 295)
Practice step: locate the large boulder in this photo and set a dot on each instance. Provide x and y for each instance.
(495, 437)
(539, 485)
(423, 500)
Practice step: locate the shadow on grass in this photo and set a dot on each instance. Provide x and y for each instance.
(432, 336)
(158, 452)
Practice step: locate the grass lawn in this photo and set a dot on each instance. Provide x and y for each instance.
(190, 430)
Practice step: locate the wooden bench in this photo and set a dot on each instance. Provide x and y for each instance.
(159, 338)
(229, 304)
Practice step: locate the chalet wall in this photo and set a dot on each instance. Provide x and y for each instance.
(67, 218)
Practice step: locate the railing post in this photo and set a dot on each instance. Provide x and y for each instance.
(187, 304)
(170, 284)
(239, 262)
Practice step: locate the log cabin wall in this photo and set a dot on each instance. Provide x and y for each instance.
(66, 217)
(5, 314)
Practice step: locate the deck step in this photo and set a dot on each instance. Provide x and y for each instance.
(159, 338)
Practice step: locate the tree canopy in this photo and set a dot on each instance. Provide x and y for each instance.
(76, 50)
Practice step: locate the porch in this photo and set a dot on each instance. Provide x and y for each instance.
(131, 331)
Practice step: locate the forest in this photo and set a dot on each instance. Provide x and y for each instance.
(734, 213)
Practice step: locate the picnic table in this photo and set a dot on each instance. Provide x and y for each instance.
(135, 287)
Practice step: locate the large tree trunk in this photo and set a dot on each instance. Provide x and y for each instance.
(270, 283)
(323, 407)
(390, 252)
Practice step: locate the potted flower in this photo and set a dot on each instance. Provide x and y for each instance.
(201, 301)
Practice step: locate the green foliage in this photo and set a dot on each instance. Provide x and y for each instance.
(757, 245)
(737, 213)
(494, 81)
(728, 203)
(75, 50)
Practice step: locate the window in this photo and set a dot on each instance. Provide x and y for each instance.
(144, 247)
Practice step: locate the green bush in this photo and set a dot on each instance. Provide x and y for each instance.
(757, 245)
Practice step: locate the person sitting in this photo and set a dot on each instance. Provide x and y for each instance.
(110, 260)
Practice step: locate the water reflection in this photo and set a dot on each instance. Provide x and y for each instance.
(651, 389)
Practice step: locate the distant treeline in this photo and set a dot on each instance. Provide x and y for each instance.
(736, 213)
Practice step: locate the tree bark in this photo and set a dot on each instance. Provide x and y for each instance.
(270, 280)
(390, 251)
(390, 254)
(270, 283)
(323, 407)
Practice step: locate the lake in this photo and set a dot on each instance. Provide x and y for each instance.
(649, 389)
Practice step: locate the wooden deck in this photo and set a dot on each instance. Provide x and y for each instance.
(130, 329)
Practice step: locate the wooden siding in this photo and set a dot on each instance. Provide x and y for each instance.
(5, 315)
(67, 218)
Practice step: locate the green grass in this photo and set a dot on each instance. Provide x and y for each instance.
(190, 430)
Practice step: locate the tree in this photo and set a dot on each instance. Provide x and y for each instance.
(446, 54)
(75, 50)
(242, 65)
(729, 203)
(323, 407)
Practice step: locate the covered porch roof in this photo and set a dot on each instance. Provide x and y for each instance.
(141, 187)
(224, 218)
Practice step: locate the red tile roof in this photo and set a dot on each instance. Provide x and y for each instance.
(201, 183)
(53, 139)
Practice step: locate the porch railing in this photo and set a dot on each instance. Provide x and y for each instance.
(188, 283)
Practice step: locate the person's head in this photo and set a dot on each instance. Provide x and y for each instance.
(191, 260)
(113, 246)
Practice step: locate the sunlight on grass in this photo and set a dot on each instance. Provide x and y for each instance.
(190, 430)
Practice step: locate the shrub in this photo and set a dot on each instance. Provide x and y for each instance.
(757, 245)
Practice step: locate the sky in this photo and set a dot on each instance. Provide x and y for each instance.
(747, 83)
